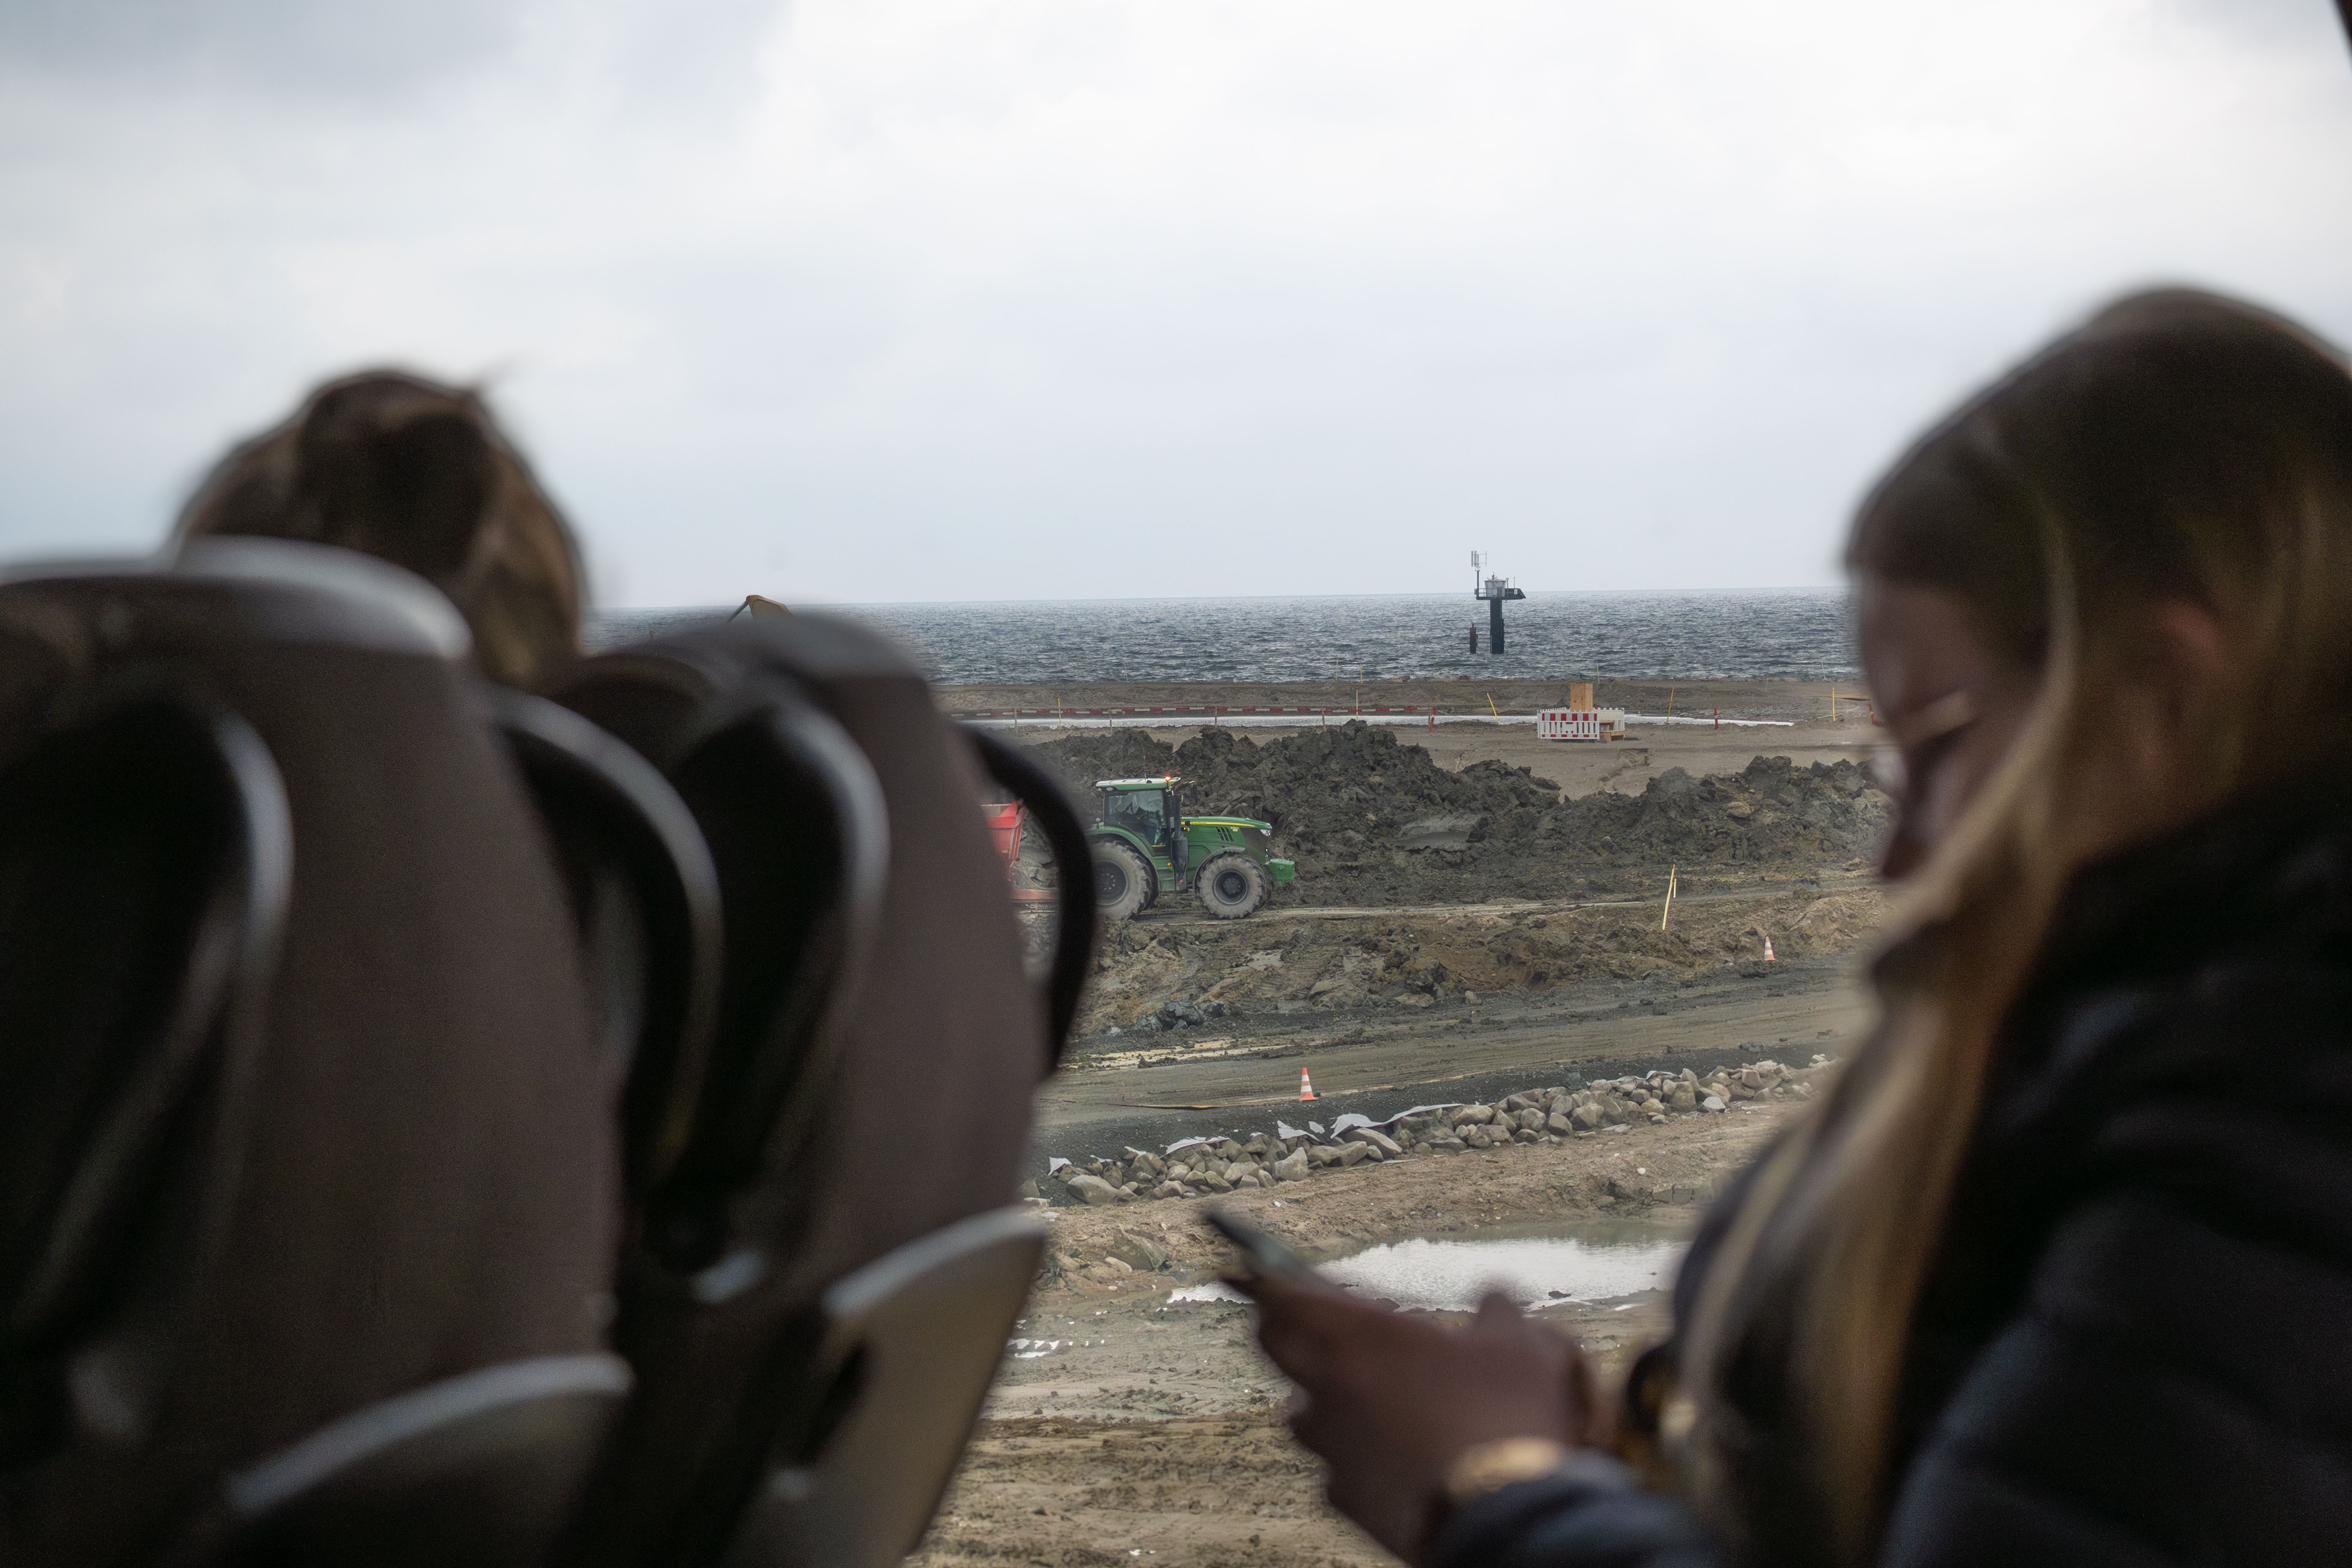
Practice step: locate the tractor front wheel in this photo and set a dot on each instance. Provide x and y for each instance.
(1231, 887)
(1123, 883)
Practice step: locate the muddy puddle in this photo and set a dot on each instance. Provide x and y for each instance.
(1588, 1263)
(1190, 1352)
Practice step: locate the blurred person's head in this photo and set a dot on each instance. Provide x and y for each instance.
(2141, 537)
(2110, 595)
(417, 474)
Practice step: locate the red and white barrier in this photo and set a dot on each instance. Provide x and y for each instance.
(1580, 724)
(1568, 725)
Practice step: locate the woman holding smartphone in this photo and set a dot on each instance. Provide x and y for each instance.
(2060, 1270)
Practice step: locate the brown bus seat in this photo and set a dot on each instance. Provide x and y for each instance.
(303, 1123)
(869, 1082)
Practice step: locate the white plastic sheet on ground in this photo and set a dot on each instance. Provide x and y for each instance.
(1214, 1291)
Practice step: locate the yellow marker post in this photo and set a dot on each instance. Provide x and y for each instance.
(1490, 706)
(1670, 699)
(1672, 873)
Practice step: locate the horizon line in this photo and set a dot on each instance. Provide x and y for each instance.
(1218, 598)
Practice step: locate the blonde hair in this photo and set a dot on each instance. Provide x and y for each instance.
(2179, 446)
(417, 474)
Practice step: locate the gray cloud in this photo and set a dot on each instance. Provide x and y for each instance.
(299, 48)
(698, 60)
(2290, 24)
(1109, 297)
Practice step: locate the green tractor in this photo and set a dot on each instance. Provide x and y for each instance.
(1145, 846)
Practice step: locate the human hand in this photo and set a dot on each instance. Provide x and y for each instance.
(1390, 1400)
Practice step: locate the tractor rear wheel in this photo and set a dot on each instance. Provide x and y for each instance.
(1231, 887)
(1123, 883)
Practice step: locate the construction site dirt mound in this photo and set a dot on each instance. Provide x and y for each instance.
(1371, 819)
(1160, 976)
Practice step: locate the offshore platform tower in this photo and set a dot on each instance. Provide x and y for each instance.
(1498, 592)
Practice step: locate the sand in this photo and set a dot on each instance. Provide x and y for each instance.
(1154, 1435)
(1157, 1428)
(1804, 701)
(1580, 767)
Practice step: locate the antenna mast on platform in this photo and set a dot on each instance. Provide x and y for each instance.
(1497, 591)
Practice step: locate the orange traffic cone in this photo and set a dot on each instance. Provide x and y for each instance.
(1768, 951)
(1306, 1084)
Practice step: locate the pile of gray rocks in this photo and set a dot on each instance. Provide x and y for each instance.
(1177, 1015)
(1193, 1167)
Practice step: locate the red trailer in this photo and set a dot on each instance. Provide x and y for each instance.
(1004, 827)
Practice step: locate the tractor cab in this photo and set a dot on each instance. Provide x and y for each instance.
(1140, 845)
(1152, 812)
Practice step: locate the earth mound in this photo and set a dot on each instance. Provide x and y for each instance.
(1198, 976)
(1371, 820)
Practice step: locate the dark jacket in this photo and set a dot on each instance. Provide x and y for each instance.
(2135, 1347)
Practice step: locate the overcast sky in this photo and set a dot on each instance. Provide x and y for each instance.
(911, 299)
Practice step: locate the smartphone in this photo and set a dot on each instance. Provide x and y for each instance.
(1268, 1257)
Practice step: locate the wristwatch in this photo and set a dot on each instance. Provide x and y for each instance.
(1490, 1466)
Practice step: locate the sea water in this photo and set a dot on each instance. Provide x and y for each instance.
(1795, 632)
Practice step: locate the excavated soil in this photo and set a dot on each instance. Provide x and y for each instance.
(1438, 909)
(1237, 976)
(1151, 1432)
(1370, 819)
(1222, 1491)
(1646, 1169)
